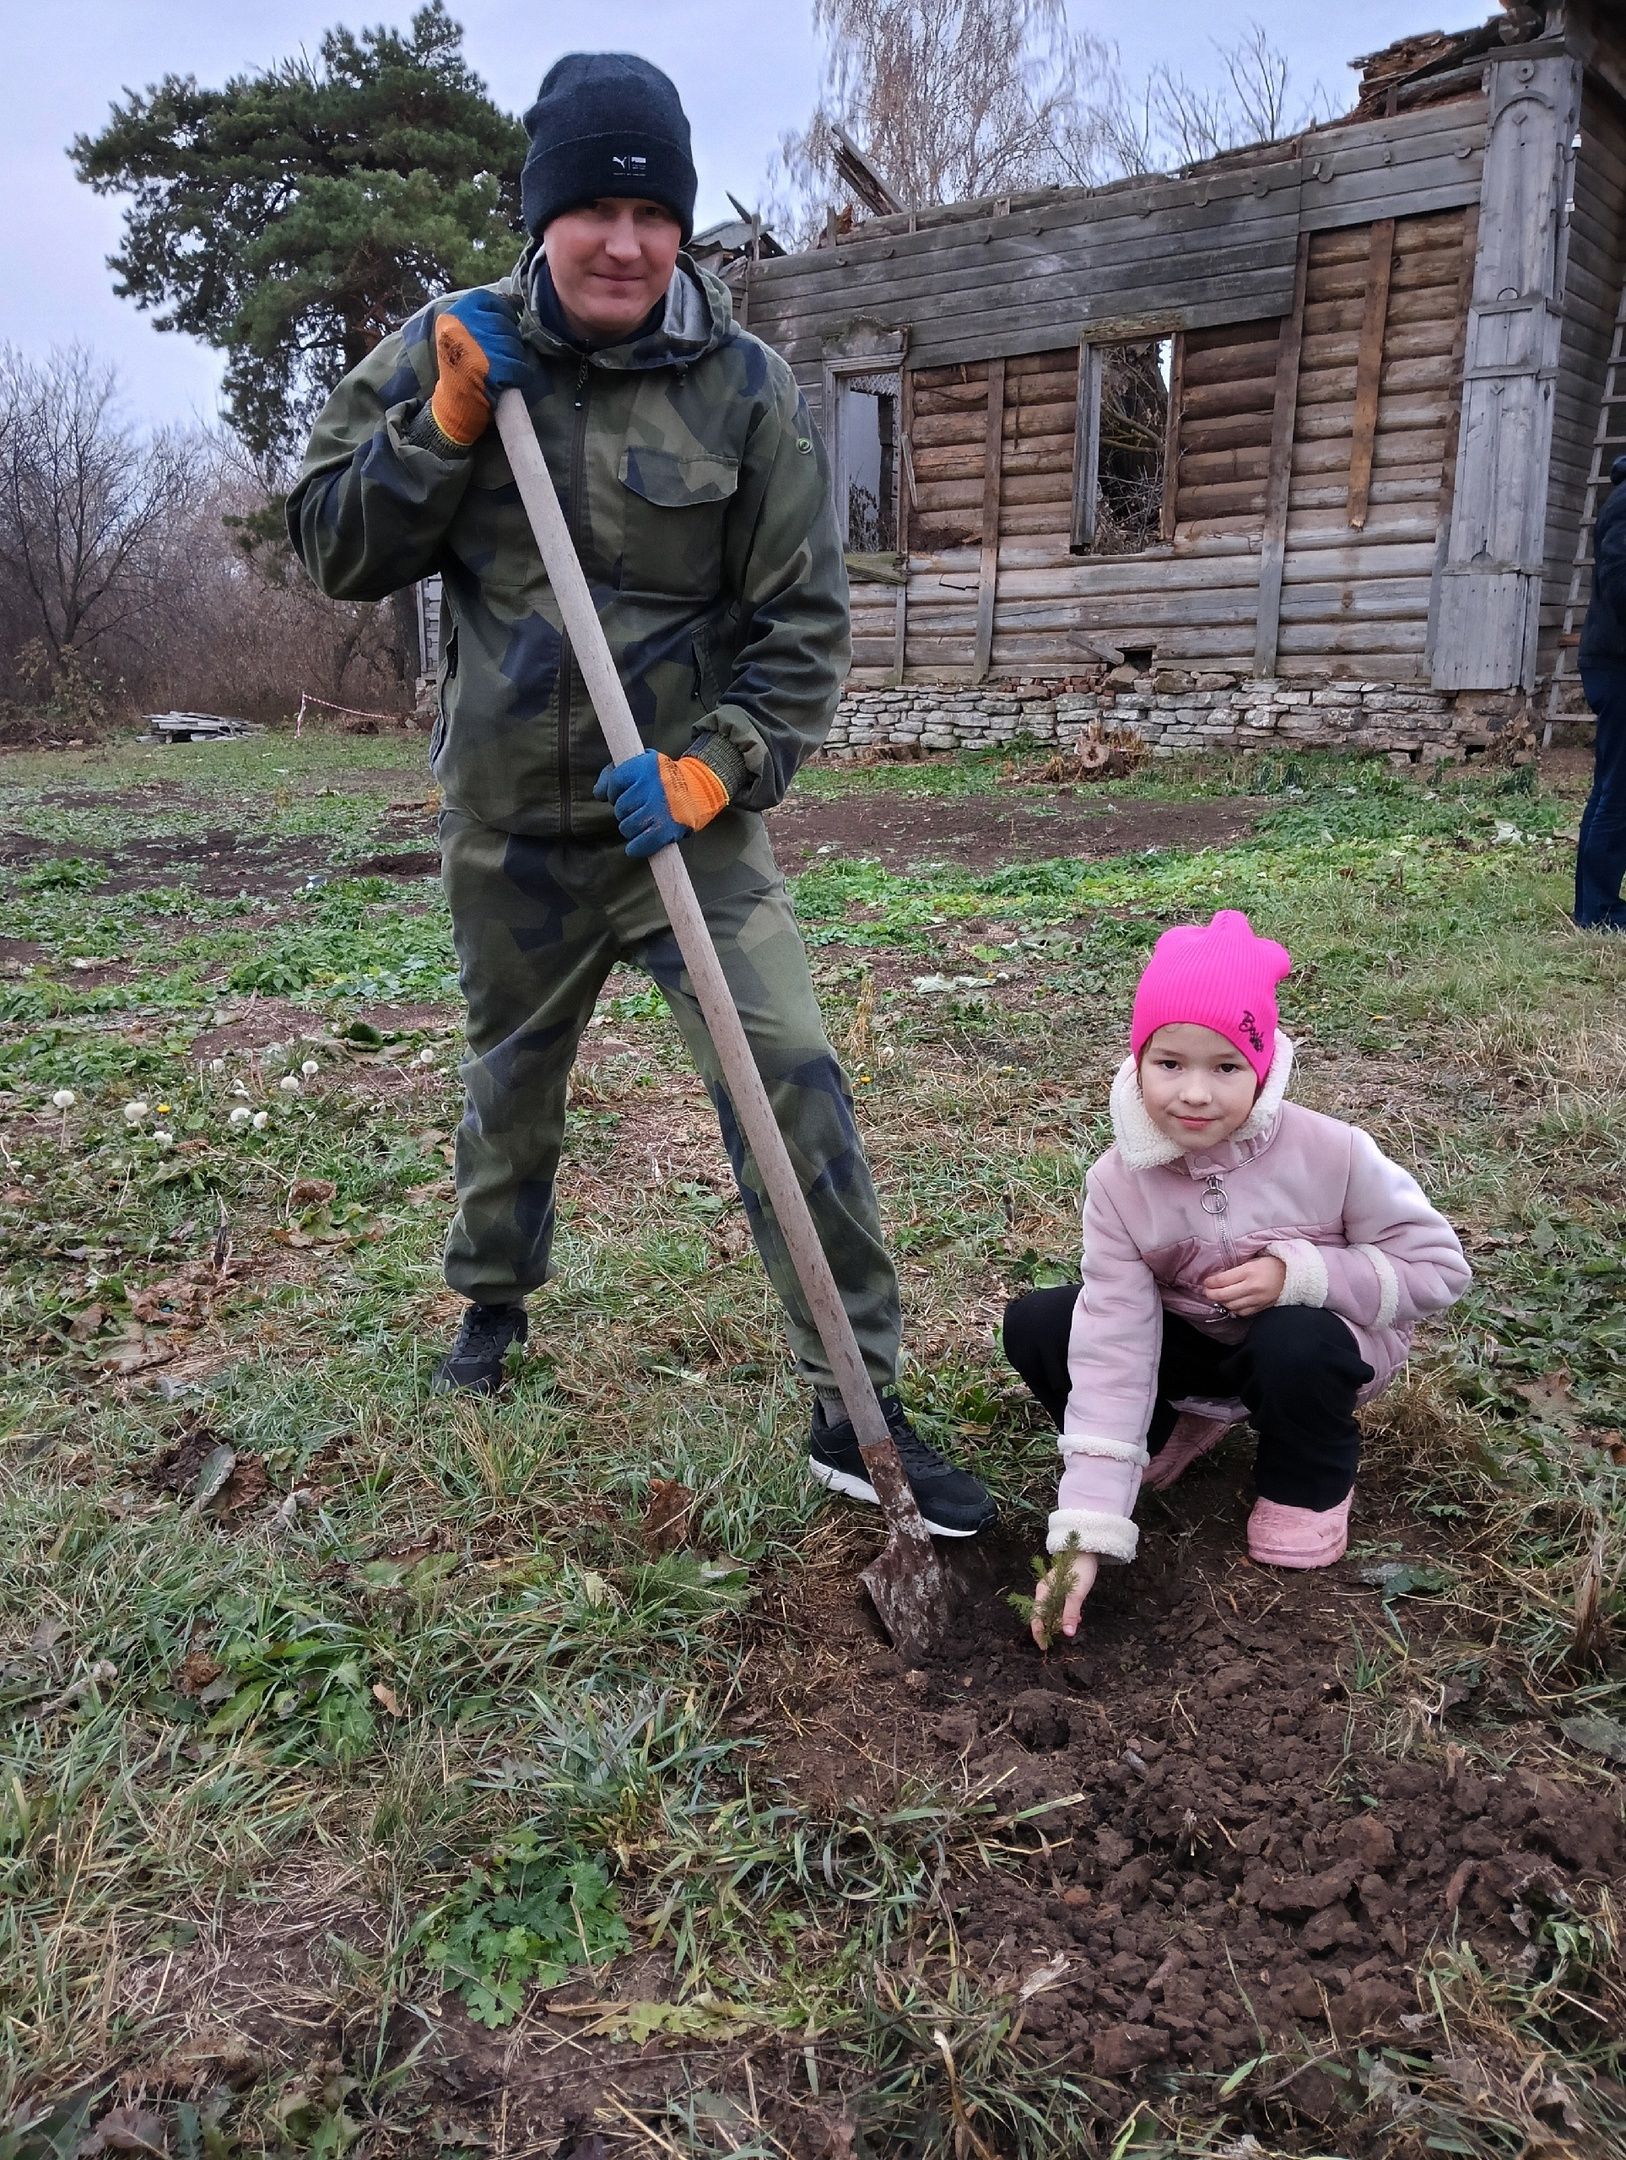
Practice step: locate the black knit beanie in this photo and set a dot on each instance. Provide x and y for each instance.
(606, 124)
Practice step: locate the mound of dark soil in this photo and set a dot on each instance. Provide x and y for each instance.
(1230, 1853)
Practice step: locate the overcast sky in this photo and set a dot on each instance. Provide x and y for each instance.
(747, 70)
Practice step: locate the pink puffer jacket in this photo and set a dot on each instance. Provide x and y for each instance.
(1352, 1229)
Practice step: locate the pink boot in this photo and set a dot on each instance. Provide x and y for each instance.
(1191, 1437)
(1298, 1537)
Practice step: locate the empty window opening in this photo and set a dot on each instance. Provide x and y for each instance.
(1122, 451)
(868, 438)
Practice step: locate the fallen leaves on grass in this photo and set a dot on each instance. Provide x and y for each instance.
(178, 1467)
(184, 1300)
(665, 1521)
(196, 1671)
(1405, 1578)
(1598, 1735)
(210, 1473)
(127, 2129)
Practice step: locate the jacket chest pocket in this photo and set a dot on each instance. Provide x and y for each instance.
(676, 509)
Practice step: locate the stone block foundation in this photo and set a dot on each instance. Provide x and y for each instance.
(1172, 710)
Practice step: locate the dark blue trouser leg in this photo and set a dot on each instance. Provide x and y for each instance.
(1600, 853)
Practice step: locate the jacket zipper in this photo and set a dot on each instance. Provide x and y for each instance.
(1214, 1202)
(578, 481)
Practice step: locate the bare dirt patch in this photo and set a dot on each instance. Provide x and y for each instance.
(260, 1021)
(985, 832)
(219, 864)
(415, 862)
(268, 1981)
(1229, 1855)
(1214, 1849)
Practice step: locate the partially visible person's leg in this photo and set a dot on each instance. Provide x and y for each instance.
(748, 913)
(1600, 851)
(533, 949)
(1035, 1333)
(1300, 1372)
(1037, 1330)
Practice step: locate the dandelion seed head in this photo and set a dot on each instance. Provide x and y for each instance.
(289, 1083)
(262, 1119)
(63, 1099)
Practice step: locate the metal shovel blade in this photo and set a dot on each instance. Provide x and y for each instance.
(905, 1580)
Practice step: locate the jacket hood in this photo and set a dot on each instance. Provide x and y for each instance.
(698, 317)
(1142, 1147)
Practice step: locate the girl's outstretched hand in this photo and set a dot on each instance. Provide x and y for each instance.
(1073, 1577)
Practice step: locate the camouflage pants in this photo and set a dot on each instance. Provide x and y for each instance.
(538, 925)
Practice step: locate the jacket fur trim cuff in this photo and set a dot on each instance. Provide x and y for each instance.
(1143, 1147)
(1388, 1283)
(1110, 1537)
(1124, 1451)
(1306, 1282)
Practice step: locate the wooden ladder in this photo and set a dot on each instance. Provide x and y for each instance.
(1608, 443)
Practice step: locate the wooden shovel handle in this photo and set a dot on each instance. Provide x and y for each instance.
(739, 1068)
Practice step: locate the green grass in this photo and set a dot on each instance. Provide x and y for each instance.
(421, 1648)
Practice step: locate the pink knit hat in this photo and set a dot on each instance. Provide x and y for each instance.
(1216, 975)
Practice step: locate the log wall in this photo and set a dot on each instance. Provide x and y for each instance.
(1357, 577)
(1320, 461)
(1034, 273)
(1354, 599)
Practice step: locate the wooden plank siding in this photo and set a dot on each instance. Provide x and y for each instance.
(994, 584)
(1216, 246)
(1222, 436)
(1594, 270)
(1370, 619)
(1352, 602)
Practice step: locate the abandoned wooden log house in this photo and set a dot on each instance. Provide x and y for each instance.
(1297, 443)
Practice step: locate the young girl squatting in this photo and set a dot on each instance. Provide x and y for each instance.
(1243, 1256)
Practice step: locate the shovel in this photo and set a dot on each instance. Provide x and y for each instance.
(906, 1581)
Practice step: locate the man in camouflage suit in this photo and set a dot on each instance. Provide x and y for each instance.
(699, 500)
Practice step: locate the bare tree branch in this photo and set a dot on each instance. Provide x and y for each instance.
(957, 99)
(123, 571)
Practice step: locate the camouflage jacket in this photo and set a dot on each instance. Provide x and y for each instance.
(699, 498)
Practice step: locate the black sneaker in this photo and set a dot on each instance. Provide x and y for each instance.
(475, 1361)
(953, 1502)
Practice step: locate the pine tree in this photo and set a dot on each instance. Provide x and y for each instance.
(294, 217)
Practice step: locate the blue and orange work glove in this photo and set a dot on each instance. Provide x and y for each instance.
(658, 799)
(479, 351)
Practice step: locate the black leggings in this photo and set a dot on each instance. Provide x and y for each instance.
(1297, 1368)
